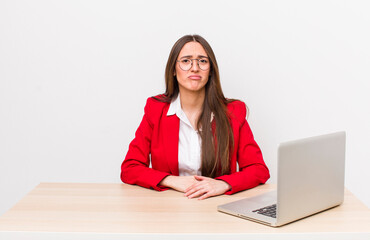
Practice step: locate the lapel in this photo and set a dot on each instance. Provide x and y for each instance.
(171, 142)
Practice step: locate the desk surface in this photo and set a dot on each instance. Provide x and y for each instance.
(127, 209)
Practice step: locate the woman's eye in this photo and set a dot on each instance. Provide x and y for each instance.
(186, 61)
(203, 61)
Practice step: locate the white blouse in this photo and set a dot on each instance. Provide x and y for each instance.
(189, 142)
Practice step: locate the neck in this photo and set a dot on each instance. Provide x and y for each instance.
(192, 101)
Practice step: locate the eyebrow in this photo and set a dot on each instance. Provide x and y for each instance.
(189, 56)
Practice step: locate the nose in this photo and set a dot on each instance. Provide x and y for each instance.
(194, 65)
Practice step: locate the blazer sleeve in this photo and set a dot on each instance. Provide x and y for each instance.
(252, 168)
(135, 167)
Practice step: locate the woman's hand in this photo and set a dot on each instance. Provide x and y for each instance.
(179, 183)
(206, 187)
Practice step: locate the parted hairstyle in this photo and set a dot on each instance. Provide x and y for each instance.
(218, 143)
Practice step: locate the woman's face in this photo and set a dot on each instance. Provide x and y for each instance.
(195, 78)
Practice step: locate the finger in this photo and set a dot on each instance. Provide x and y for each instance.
(195, 185)
(198, 193)
(190, 191)
(193, 188)
(204, 196)
(199, 178)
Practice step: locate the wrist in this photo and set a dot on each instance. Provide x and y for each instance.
(227, 186)
(167, 181)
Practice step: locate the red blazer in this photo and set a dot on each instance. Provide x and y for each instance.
(158, 136)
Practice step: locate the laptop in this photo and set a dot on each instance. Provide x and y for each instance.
(310, 180)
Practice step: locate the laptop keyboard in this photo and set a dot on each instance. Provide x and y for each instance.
(269, 211)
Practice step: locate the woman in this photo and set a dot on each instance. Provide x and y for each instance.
(194, 135)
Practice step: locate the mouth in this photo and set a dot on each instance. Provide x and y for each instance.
(195, 77)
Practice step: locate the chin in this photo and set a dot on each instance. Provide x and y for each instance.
(192, 88)
(197, 89)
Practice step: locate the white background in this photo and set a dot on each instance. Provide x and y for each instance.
(75, 76)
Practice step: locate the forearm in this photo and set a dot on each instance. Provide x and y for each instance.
(137, 174)
(167, 181)
(247, 178)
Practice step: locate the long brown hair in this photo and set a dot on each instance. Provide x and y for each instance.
(217, 137)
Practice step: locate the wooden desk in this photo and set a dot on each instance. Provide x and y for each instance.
(113, 211)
